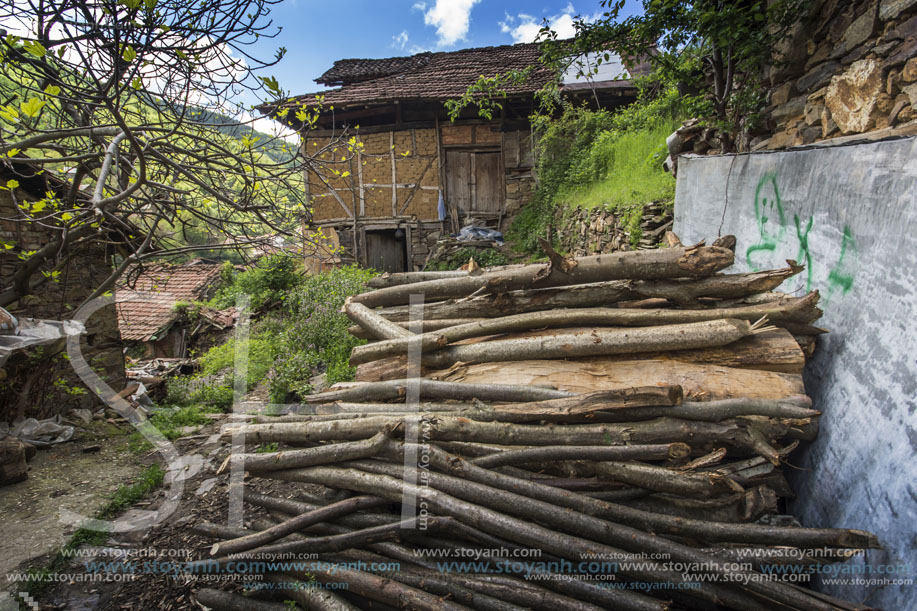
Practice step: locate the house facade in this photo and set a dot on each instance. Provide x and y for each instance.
(409, 175)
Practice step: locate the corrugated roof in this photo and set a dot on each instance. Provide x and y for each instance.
(145, 302)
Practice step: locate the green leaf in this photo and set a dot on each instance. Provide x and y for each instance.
(128, 54)
(131, 4)
(32, 107)
(137, 83)
(35, 48)
(12, 183)
(271, 83)
(52, 90)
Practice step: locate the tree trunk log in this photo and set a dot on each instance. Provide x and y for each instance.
(221, 600)
(646, 264)
(397, 279)
(599, 295)
(797, 310)
(322, 455)
(598, 342)
(555, 453)
(700, 382)
(377, 326)
(435, 389)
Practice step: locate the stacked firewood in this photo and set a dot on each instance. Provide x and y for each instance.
(616, 425)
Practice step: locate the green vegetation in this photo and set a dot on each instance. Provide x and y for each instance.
(485, 257)
(266, 283)
(590, 158)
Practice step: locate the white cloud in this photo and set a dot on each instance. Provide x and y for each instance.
(401, 40)
(451, 18)
(525, 28)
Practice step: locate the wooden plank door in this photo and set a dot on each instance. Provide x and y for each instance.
(459, 180)
(385, 252)
(488, 170)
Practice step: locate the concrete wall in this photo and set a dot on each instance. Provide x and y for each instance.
(849, 214)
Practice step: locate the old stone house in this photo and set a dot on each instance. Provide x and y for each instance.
(381, 201)
(41, 382)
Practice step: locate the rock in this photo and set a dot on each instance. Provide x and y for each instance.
(911, 92)
(813, 113)
(909, 72)
(905, 30)
(818, 76)
(851, 96)
(858, 53)
(861, 29)
(811, 134)
(828, 126)
(890, 9)
(902, 53)
(794, 108)
(822, 52)
(781, 140)
(781, 94)
(892, 82)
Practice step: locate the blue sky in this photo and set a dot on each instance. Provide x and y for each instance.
(318, 32)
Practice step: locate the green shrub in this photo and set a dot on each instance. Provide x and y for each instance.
(262, 350)
(218, 397)
(591, 158)
(315, 332)
(266, 283)
(485, 257)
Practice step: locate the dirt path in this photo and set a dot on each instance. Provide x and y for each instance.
(63, 476)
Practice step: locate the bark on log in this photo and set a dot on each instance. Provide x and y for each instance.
(735, 433)
(308, 596)
(397, 279)
(308, 457)
(600, 294)
(228, 601)
(323, 514)
(647, 264)
(564, 546)
(377, 326)
(712, 411)
(797, 310)
(773, 350)
(553, 454)
(700, 382)
(428, 326)
(436, 389)
(599, 342)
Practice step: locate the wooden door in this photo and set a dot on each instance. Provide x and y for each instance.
(488, 183)
(385, 251)
(474, 181)
(459, 180)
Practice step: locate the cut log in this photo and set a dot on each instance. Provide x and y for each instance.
(552, 454)
(401, 278)
(600, 294)
(221, 600)
(13, 468)
(700, 382)
(796, 310)
(598, 342)
(428, 326)
(437, 389)
(372, 323)
(695, 261)
(773, 350)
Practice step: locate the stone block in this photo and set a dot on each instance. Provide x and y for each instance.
(792, 109)
(909, 72)
(861, 29)
(911, 92)
(890, 9)
(781, 94)
(814, 112)
(851, 96)
(819, 76)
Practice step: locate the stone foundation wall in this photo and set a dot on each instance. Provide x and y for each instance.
(584, 232)
(850, 68)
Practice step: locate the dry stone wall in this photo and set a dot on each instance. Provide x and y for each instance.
(581, 232)
(849, 68)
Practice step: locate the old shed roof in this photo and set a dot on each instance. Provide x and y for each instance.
(146, 299)
(426, 76)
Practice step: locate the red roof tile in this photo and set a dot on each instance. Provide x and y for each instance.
(145, 302)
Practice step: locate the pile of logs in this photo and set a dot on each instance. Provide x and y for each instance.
(615, 424)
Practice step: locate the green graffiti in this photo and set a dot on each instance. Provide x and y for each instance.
(840, 279)
(767, 205)
(804, 256)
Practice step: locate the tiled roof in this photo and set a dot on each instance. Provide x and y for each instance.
(430, 76)
(145, 302)
(347, 71)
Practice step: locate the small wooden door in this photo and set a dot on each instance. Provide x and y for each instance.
(385, 251)
(474, 181)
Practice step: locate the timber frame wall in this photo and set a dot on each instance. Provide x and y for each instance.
(393, 181)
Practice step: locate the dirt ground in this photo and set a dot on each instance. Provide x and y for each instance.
(79, 475)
